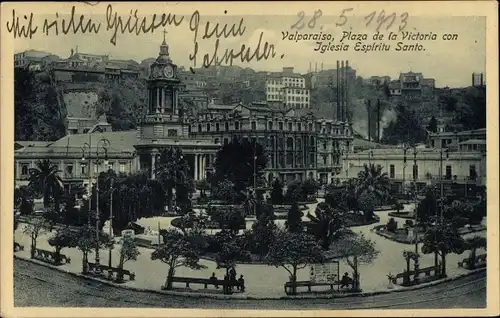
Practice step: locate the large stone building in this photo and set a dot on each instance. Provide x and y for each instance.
(461, 167)
(298, 144)
(81, 156)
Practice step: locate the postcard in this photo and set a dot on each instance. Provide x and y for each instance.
(226, 159)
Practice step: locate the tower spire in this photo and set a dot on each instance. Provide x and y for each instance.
(164, 45)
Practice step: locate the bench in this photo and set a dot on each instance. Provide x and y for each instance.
(50, 257)
(480, 261)
(289, 285)
(112, 272)
(205, 282)
(406, 275)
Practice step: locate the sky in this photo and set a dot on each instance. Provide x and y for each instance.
(449, 62)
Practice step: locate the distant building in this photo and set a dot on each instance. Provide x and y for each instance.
(288, 88)
(452, 140)
(414, 87)
(478, 79)
(34, 59)
(377, 80)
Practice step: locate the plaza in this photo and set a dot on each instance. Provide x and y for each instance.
(260, 280)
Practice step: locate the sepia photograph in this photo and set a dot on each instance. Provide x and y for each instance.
(312, 156)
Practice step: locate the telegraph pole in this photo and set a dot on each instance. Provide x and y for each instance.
(368, 109)
(111, 222)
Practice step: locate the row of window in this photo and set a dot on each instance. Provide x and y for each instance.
(288, 91)
(270, 126)
(289, 98)
(448, 174)
(69, 169)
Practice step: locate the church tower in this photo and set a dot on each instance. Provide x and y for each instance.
(162, 118)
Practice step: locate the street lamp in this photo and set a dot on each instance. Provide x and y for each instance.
(111, 223)
(104, 143)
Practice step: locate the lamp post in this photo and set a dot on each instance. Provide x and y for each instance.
(105, 145)
(111, 222)
(255, 177)
(415, 171)
(87, 145)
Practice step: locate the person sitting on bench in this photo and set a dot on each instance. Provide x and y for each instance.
(241, 283)
(345, 281)
(214, 278)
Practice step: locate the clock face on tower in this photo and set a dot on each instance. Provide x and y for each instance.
(168, 71)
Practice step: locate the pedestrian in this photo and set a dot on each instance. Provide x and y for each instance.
(345, 280)
(241, 284)
(226, 284)
(213, 278)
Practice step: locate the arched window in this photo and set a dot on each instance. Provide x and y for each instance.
(208, 127)
(254, 126)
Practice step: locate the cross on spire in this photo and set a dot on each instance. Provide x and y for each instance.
(164, 35)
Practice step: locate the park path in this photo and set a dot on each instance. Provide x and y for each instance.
(261, 280)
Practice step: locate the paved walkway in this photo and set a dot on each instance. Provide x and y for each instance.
(261, 280)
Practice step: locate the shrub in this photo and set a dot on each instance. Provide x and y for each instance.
(391, 225)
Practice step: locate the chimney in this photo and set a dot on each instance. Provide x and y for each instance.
(342, 91)
(368, 109)
(346, 87)
(338, 93)
(316, 67)
(310, 67)
(378, 120)
(321, 66)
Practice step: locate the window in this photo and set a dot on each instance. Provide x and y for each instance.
(208, 127)
(254, 125)
(448, 172)
(270, 125)
(392, 173)
(216, 140)
(299, 126)
(24, 170)
(280, 126)
(172, 132)
(415, 172)
(290, 126)
(69, 170)
(83, 170)
(472, 172)
(217, 127)
(324, 160)
(226, 126)
(236, 125)
(199, 128)
(310, 127)
(226, 141)
(122, 167)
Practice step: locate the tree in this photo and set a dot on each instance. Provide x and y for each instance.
(406, 129)
(128, 252)
(443, 239)
(176, 250)
(366, 203)
(171, 170)
(294, 251)
(34, 227)
(46, 180)
(235, 163)
(277, 192)
(86, 241)
(309, 187)
(427, 208)
(294, 192)
(263, 231)
(23, 198)
(432, 126)
(472, 244)
(294, 219)
(225, 190)
(372, 180)
(64, 237)
(232, 250)
(203, 186)
(357, 250)
(327, 223)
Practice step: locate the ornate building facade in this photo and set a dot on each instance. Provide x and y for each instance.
(299, 145)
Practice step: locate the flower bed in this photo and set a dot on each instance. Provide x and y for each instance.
(403, 215)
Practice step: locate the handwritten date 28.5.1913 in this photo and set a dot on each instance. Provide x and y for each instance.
(378, 19)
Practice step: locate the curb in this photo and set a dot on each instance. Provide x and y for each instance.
(243, 297)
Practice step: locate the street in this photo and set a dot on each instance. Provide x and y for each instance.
(35, 285)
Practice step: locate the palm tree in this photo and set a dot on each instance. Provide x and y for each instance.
(328, 224)
(473, 243)
(171, 169)
(371, 179)
(46, 180)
